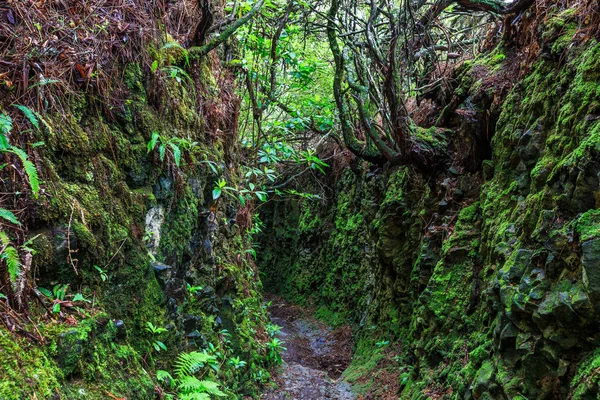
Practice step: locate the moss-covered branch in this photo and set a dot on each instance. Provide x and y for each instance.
(200, 51)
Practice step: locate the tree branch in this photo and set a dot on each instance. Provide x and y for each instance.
(200, 51)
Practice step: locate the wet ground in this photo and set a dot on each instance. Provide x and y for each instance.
(315, 358)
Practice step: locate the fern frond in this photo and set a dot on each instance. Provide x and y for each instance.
(5, 123)
(162, 375)
(29, 114)
(194, 396)
(34, 179)
(9, 216)
(190, 384)
(190, 363)
(11, 256)
(212, 388)
(30, 170)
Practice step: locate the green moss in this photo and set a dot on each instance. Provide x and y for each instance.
(588, 225)
(585, 382)
(25, 370)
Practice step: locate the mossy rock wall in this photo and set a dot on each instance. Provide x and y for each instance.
(484, 283)
(154, 230)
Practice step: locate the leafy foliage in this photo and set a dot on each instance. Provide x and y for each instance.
(187, 384)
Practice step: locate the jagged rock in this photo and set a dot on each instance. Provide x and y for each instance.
(484, 380)
(590, 261)
(191, 323)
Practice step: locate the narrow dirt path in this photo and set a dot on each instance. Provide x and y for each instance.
(315, 358)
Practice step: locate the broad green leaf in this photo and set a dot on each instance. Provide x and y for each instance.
(216, 193)
(262, 196)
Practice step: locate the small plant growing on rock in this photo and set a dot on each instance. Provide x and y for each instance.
(154, 332)
(236, 362)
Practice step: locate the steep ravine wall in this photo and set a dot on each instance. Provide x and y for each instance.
(153, 229)
(485, 282)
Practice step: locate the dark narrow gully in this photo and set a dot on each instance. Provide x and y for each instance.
(314, 359)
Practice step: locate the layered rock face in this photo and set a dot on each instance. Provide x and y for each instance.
(484, 276)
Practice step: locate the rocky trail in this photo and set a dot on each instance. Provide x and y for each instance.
(314, 359)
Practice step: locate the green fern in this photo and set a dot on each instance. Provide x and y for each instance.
(191, 384)
(5, 123)
(30, 170)
(188, 386)
(9, 216)
(212, 388)
(194, 396)
(190, 363)
(29, 114)
(34, 117)
(11, 256)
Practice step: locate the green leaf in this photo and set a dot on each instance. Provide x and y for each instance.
(30, 170)
(5, 124)
(46, 292)
(4, 145)
(154, 66)
(216, 193)
(56, 308)
(2, 296)
(212, 388)
(194, 396)
(161, 152)
(153, 141)
(9, 216)
(29, 114)
(162, 375)
(176, 153)
(34, 180)
(13, 263)
(262, 196)
(79, 297)
(161, 345)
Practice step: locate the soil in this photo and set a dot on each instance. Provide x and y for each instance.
(315, 358)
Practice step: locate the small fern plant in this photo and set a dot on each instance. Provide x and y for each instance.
(9, 253)
(5, 147)
(186, 384)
